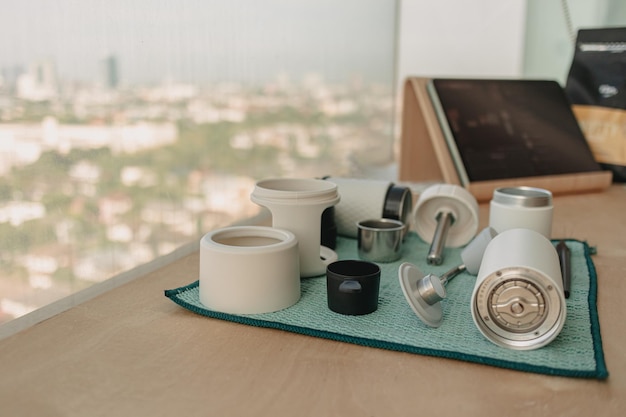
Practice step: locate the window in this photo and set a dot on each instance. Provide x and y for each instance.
(129, 128)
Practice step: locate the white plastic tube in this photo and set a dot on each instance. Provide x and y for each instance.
(249, 269)
(518, 300)
(360, 200)
(297, 205)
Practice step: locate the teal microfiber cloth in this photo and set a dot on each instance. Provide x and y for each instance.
(575, 352)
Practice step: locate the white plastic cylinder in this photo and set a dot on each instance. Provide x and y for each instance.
(297, 205)
(446, 198)
(360, 200)
(472, 254)
(521, 207)
(249, 270)
(518, 300)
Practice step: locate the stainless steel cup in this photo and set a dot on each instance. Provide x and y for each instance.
(380, 240)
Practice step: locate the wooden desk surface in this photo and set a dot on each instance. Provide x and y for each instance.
(133, 352)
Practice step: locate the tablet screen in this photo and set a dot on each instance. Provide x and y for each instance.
(503, 129)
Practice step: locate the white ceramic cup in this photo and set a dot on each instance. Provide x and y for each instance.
(249, 270)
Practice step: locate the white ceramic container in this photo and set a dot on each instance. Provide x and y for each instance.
(249, 270)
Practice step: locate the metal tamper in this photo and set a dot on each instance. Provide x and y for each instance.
(425, 292)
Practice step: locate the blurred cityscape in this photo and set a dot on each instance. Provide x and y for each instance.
(96, 178)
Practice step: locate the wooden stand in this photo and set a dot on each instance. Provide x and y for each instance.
(425, 157)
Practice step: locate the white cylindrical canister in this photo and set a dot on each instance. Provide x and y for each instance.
(518, 299)
(297, 205)
(249, 269)
(360, 200)
(521, 207)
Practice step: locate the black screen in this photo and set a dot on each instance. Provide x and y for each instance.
(513, 128)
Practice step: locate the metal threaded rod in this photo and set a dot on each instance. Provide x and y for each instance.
(435, 253)
(447, 277)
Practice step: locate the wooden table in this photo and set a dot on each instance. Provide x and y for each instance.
(133, 352)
